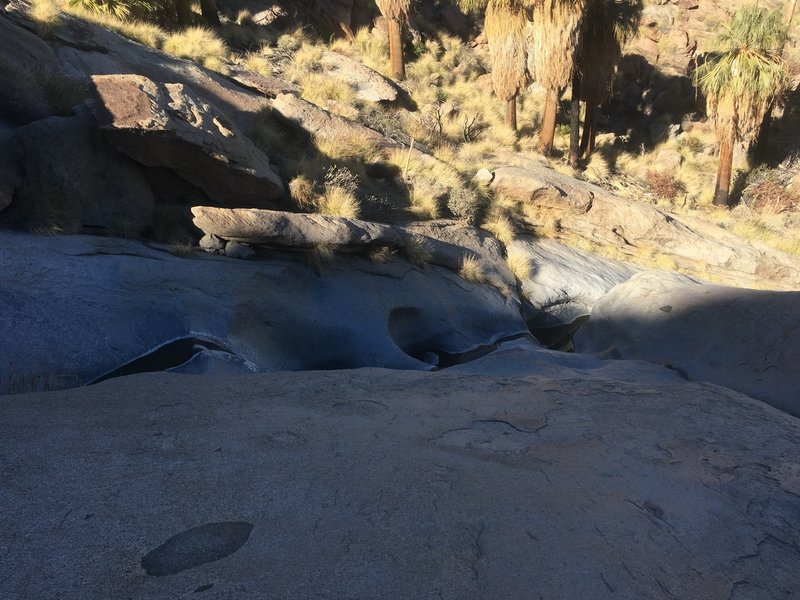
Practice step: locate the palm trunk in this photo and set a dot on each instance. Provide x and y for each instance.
(724, 168)
(184, 12)
(511, 112)
(208, 8)
(575, 120)
(587, 141)
(548, 131)
(398, 66)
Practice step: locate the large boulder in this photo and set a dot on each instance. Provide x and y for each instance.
(69, 178)
(167, 125)
(294, 230)
(447, 243)
(369, 85)
(138, 305)
(530, 474)
(542, 187)
(27, 64)
(747, 340)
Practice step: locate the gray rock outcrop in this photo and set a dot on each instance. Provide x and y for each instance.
(167, 125)
(566, 282)
(275, 314)
(747, 340)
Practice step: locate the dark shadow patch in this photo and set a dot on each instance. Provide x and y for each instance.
(198, 546)
(168, 356)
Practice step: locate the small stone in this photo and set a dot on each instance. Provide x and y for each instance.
(211, 243)
(237, 250)
(484, 177)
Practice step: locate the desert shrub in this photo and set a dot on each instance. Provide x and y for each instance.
(664, 185)
(342, 177)
(466, 204)
(770, 197)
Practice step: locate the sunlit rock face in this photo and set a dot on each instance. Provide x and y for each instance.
(748, 340)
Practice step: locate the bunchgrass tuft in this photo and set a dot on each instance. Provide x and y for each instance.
(519, 262)
(418, 250)
(472, 269)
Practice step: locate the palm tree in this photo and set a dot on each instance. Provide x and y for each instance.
(556, 33)
(505, 31)
(740, 80)
(608, 25)
(396, 14)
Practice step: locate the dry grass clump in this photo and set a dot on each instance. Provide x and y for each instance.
(265, 132)
(47, 16)
(301, 190)
(354, 147)
(147, 34)
(519, 262)
(472, 269)
(319, 257)
(380, 254)
(331, 94)
(338, 201)
(198, 44)
(502, 227)
(257, 62)
(418, 250)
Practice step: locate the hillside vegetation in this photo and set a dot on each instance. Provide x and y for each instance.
(646, 134)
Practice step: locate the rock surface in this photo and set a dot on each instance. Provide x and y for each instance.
(294, 230)
(86, 49)
(70, 171)
(279, 314)
(529, 474)
(747, 340)
(26, 62)
(166, 125)
(566, 282)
